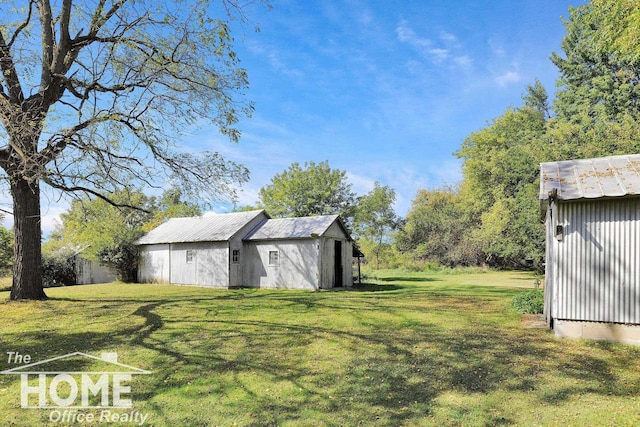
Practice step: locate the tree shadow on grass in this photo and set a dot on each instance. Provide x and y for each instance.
(382, 374)
(375, 287)
(406, 279)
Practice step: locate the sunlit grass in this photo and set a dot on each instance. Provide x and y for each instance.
(405, 349)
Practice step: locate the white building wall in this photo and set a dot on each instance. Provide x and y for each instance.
(595, 266)
(297, 264)
(208, 264)
(89, 272)
(236, 243)
(154, 264)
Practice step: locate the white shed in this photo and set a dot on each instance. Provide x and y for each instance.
(90, 272)
(304, 253)
(592, 278)
(248, 249)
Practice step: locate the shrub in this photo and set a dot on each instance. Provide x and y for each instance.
(529, 302)
(123, 258)
(58, 271)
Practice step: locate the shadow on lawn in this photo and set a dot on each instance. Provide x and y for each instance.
(406, 279)
(375, 287)
(392, 375)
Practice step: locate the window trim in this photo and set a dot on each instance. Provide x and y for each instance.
(274, 258)
(190, 255)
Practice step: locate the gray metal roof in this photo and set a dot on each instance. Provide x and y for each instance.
(206, 228)
(293, 228)
(614, 176)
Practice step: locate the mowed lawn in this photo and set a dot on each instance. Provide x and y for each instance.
(408, 349)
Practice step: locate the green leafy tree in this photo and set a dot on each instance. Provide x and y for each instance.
(435, 229)
(598, 104)
(598, 78)
(6, 250)
(314, 189)
(86, 93)
(375, 219)
(106, 233)
(618, 27)
(500, 180)
(171, 204)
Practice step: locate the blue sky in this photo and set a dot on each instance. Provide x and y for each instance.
(385, 89)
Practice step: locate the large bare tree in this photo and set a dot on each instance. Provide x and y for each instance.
(94, 94)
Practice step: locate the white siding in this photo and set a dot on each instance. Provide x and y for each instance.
(208, 266)
(594, 271)
(155, 264)
(297, 268)
(89, 272)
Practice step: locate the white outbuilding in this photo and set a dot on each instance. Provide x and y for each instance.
(592, 277)
(248, 249)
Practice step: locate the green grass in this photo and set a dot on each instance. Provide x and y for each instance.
(410, 349)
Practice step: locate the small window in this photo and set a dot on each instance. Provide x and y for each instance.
(235, 256)
(190, 254)
(274, 258)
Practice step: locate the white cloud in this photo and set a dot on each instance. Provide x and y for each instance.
(448, 51)
(510, 77)
(407, 35)
(360, 184)
(439, 55)
(463, 61)
(274, 59)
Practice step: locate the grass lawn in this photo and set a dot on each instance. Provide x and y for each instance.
(409, 349)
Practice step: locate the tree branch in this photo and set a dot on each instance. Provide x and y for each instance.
(89, 191)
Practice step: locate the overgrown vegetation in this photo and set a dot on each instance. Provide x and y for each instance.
(530, 302)
(107, 234)
(415, 349)
(58, 269)
(492, 217)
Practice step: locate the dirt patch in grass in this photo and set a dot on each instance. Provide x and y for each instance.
(533, 321)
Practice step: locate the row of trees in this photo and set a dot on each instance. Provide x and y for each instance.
(107, 234)
(493, 215)
(85, 91)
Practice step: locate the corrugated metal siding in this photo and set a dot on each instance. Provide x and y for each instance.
(596, 266)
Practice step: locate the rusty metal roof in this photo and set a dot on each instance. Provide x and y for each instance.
(614, 176)
(294, 228)
(206, 228)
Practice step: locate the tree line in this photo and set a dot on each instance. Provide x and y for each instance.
(85, 95)
(492, 216)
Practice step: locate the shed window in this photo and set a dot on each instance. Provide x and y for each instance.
(274, 258)
(190, 254)
(235, 256)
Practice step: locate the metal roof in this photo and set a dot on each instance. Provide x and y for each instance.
(614, 176)
(206, 228)
(294, 228)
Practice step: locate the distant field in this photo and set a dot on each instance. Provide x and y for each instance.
(411, 349)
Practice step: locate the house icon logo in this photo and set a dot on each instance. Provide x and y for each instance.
(59, 383)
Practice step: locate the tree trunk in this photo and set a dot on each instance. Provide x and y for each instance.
(27, 257)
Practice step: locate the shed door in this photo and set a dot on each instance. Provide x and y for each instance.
(337, 262)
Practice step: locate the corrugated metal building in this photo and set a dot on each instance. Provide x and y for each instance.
(592, 216)
(248, 249)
